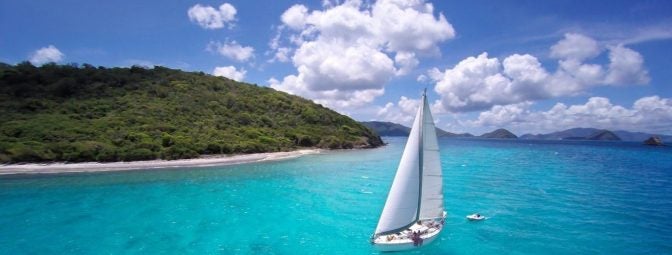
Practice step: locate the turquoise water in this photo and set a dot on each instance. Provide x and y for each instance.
(540, 197)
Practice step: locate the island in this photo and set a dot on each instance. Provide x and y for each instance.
(595, 134)
(603, 135)
(654, 141)
(384, 128)
(499, 134)
(73, 113)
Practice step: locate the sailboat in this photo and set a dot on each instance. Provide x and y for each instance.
(413, 215)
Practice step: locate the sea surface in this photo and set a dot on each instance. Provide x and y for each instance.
(540, 197)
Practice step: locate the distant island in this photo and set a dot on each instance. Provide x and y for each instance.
(71, 113)
(394, 129)
(595, 134)
(588, 134)
(499, 134)
(654, 141)
(600, 135)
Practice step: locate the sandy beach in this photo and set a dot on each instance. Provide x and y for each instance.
(88, 167)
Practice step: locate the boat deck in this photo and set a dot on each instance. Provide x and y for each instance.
(427, 230)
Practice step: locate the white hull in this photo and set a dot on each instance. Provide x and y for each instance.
(430, 229)
(406, 244)
(475, 217)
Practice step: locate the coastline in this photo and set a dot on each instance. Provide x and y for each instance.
(93, 167)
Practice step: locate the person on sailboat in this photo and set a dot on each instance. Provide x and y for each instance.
(415, 238)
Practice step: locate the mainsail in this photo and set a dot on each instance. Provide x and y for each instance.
(417, 190)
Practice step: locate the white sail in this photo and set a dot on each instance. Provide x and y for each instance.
(431, 204)
(401, 207)
(416, 191)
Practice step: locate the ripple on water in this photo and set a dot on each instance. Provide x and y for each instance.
(539, 197)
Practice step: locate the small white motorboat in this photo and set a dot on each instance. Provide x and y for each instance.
(475, 217)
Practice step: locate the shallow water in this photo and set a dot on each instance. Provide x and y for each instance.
(540, 198)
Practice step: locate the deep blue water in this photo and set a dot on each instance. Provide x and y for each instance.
(541, 198)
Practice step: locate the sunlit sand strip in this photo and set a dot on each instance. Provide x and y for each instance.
(54, 168)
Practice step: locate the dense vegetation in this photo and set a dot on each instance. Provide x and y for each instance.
(387, 128)
(72, 113)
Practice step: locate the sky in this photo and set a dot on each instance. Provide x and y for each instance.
(528, 66)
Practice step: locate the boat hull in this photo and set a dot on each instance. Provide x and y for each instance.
(406, 244)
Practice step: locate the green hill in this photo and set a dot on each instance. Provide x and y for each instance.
(71, 113)
(387, 128)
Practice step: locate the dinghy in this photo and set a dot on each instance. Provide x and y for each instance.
(475, 217)
(413, 215)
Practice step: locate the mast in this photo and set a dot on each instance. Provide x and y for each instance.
(420, 151)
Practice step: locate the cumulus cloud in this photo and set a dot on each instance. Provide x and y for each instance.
(626, 67)
(411, 26)
(576, 47)
(403, 112)
(345, 54)
(46, 55)
(295, 17)
(282, 54)
(232, 50)
(406, 62)
(230, 72)
(649, 114)
(210, 18)
(479, 83)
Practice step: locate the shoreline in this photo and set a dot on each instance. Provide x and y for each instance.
(94, 167)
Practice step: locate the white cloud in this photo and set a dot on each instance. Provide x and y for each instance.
(334, 98)
(478, 83)
(648, 114)
(210, 18)
(326, 66)
(282, 54)
(402, 113)
(422, 78)
(347, 53)
(46, 54)
(406, 62)
(232, 50)
(411, 25)
(230, 72)
(626, 67)
(500, 115)
(295, 17)
(576, 47)
(435, 74)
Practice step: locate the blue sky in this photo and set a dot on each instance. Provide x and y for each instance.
(529, 66)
